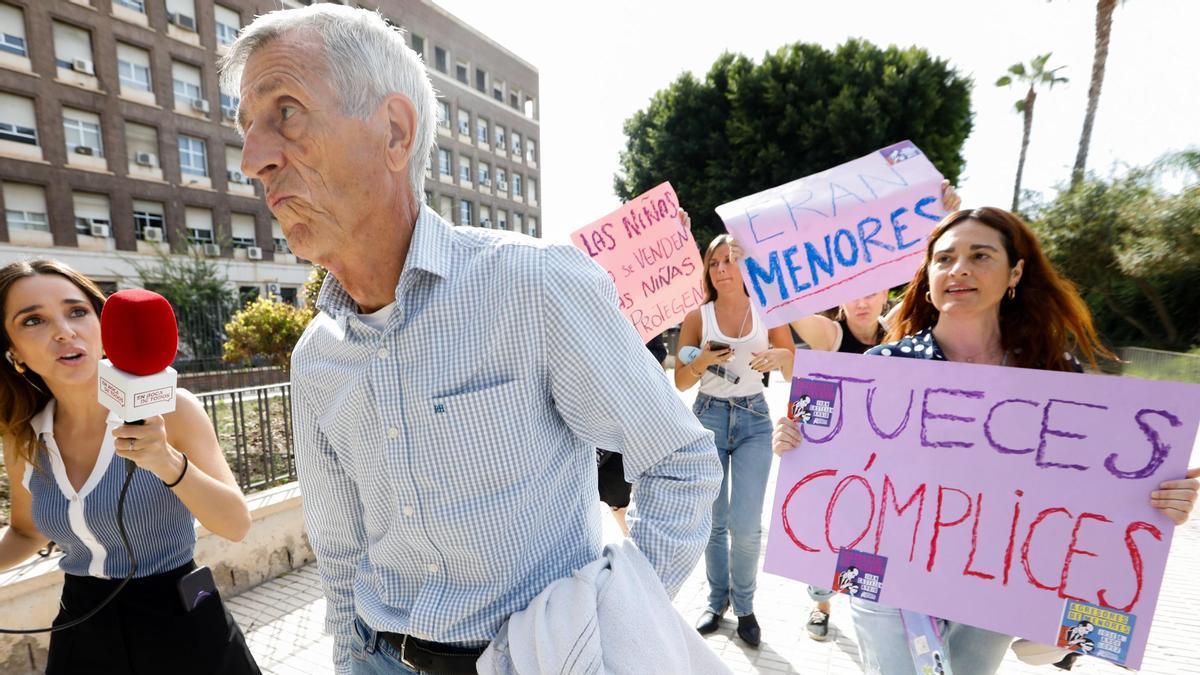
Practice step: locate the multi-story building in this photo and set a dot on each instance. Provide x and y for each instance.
(115, 139)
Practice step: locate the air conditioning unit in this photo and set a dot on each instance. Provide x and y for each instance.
(237, 177)
(502, 184)
(273, 289)
(145, 159)
(84, 150)
(485, 222)
(200, 105)
(212, 250)
(99, 230)
(182, 20)
(83, 66)
(152, 233)
(228, 113)
(254, 253)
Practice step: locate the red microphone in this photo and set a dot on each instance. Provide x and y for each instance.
(140, 338)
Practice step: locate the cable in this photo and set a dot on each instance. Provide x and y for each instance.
(129, 468)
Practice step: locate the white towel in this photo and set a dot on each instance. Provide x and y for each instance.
(610, 618)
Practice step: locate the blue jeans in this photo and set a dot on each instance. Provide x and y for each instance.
(742, 430)
(371, 655)
(883, 644)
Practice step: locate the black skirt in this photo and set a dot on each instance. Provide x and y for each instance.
(145, 630)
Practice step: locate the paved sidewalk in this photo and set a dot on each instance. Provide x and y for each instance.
(283, 619)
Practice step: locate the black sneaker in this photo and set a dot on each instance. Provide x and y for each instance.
(748, 630)
(818, 625)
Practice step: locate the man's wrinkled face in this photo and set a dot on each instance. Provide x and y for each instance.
(319, 167)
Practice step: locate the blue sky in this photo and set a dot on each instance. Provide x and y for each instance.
(600, 62)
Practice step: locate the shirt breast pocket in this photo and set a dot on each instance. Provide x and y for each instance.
(481, 437)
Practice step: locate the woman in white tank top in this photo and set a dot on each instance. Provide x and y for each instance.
(731, 405)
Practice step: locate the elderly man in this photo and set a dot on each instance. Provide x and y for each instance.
(449, 397)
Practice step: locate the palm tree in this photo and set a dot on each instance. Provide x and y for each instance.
(1034, 74)
(1104, 17)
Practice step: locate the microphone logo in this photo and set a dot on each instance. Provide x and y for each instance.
(155, 396)
(112, 391)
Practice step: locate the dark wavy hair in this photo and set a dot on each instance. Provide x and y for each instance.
(1047, 318)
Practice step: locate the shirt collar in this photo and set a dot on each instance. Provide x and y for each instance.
(430, 252)
(43, 421)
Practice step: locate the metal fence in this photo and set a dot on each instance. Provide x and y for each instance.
(254, 427)
(1155, 364)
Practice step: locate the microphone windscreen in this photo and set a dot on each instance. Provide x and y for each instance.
(138, 330)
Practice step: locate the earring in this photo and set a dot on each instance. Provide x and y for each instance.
(928, 297)
(1012, 292)
(17, 366)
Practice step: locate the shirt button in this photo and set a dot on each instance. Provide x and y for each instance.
(432, 567)
(409, 511)
(393, 432)
(382, 353)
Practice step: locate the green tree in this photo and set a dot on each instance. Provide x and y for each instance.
(1133, 247)
(267, 328)
(747, 127)
(1035, 74)
(1104, 19)
(312, 287)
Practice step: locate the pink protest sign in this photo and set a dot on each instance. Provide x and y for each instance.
(838, 235)
(1006, 498)
(651, 257)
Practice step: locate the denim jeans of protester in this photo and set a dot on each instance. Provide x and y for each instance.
(741, 428)
(883, 644)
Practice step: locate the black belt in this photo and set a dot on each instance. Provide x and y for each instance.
(433, 657)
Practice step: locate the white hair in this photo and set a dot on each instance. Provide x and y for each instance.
(367, 60)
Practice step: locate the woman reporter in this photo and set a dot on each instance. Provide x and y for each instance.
(62, 451)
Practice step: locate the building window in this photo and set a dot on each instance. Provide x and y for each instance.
(133, 67)
(516, 182)
(193, 156)
(485, 177)
(501, 180)
(444, 114)
(136, 5)
(500, 139)
(242, 227)
(460, 72)
(533, 227)
(83, 136)
(418, 45)
(26, 220)
(464, 169)
(229, 23)
(73, 48)
(514, 100)
(501, 220)
(532, 184)
(12, 30)
(144, 219)
(464, 122)
(517, 225)
(516, 145)
(186, 82)
(498, 91)
(200, 235)
(481, 80)
(444, 162)
(530, 150)
(229, 106)
(464, 212)
(439, 59)
(18, 121)
(481, 130)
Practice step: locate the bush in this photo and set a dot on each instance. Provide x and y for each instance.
(266, 328)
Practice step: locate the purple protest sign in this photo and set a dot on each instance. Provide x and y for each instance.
(996, 495)
(837, 235)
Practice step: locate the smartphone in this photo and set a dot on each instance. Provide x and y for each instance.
(717, 346)
(195, 586)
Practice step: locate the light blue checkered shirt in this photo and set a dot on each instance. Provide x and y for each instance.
(448, 462)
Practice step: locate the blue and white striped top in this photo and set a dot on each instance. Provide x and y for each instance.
(448, 460)
(84, 523)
